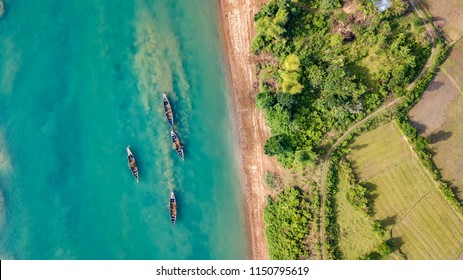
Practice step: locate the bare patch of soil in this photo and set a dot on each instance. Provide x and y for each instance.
(429, 114)
(448, 15)
(349, 7)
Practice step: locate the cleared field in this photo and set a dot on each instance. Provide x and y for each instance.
(431, 230)
(374, 156)
(448, 15)
(429, 114)
(356, 237)
(398, 188)
(453, 66)
(405, 197)
(438, 116)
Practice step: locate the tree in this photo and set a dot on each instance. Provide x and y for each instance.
(272, 28)
(292, 63)
(277, 144)
(290, 82)
(265, 100)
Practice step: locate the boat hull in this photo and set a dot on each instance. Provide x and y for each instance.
(132, 163)
(173, 209)
(168, 111)
(177, 145)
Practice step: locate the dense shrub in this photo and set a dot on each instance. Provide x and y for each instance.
(287, 220)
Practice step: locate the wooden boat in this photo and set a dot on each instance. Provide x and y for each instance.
(2, 8)
(177, 145)
(132, 163)
(173, 209)
(168, 110)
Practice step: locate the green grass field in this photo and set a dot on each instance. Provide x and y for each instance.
(356, 237)
(405, 197)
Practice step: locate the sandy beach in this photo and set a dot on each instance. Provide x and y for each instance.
(238, 30)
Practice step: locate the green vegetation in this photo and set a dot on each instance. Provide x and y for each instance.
(329, 68)
(359, 233)
(330, 218)
(356, 194)
(287, 219)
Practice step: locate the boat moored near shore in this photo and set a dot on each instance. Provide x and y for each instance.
(177, 145)
(168, 111)
(173, 209)
(132, 163)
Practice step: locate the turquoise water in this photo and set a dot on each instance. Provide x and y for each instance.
(81, 80)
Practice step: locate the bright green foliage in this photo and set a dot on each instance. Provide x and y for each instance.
(290, 82)
(287, 220)
(272, 28)
(335, 81)
(356, 195)
(290, 75)
(292, 63)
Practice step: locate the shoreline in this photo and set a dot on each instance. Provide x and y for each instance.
(236, 22)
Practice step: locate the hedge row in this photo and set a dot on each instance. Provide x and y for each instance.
(419, 143)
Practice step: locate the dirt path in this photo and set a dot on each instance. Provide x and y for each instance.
(237, 18)
(326, 159)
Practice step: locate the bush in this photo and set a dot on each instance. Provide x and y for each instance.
(286, 225)
(272, 180)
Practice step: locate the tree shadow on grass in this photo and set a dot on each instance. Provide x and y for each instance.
(372, 195)
(395, 244)
(359, 147)
(389, 221)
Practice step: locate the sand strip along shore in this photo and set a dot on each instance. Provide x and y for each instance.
(237, 19)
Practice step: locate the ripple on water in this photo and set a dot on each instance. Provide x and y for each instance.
(10, 61)
(5, 163)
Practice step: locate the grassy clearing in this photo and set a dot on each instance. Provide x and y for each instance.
(405, 198)
(356, 238)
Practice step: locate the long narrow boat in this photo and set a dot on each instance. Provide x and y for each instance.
(177, 145)
(168, 110)
(132, 163)
(173, 209)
